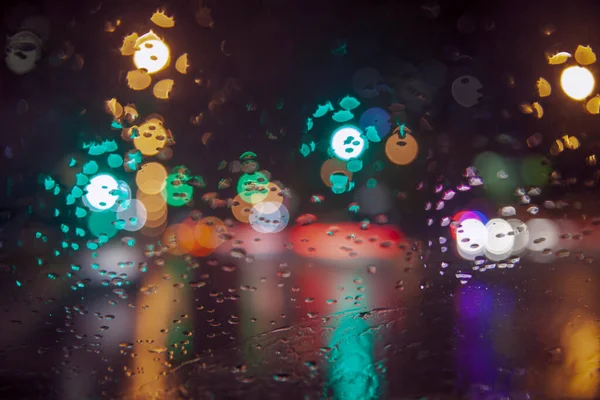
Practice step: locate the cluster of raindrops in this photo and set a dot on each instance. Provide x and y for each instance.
(152, 56)
(351, 130)
(96, 192)
(261, 202)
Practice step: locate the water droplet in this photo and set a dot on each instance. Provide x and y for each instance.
(158, 350)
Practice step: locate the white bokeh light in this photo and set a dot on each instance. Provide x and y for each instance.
(471, 238)
(577, 82)
(347, 142)
(521, 234)
(543, 234)
(153, 56)
(269, 217)
(500, 240)
(134, 214)
(100, 192)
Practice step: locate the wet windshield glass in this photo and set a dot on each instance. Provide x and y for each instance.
(297, 199)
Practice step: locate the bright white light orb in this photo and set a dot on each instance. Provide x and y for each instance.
(471, 238)
(577, 82)
(100, 192)
(153, 55)
(500, 239)
(521, 233)
(543, 234)
(347, 142)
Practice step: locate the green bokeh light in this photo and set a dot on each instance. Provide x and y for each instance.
(248, 155)
(536, 170)
(498, 174)
(177, 192)
(254, 184)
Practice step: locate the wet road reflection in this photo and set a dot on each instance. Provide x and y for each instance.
(330, 326)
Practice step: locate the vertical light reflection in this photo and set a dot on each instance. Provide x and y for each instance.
(156, 304)
(101, 334)
(352, 372)
(357, 302)
(474, 354)
(504, 335)
(574, 353)
(181, 331)
(582, 357)
(573, 370)
(262, 306)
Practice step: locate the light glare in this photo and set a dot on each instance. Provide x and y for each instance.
(577, 82)
(347, 143)
(100, 192)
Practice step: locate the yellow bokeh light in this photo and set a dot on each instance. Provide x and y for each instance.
(181, 65)
(539, 110)
(114, 108)
(163, 88)
(152, 137)
(161, 19)
(559, 58)
(151, 54)
(128, 47)
(131, 114)
(151, 178)
(571, 142)
(593, 105)
(157, 213)
(159, 220)
(138, 79)
(544, 88)
(577, 82)
(155, 204)
(584, 55)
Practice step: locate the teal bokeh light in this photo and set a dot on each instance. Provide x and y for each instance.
(340, 183)
(102, 224)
